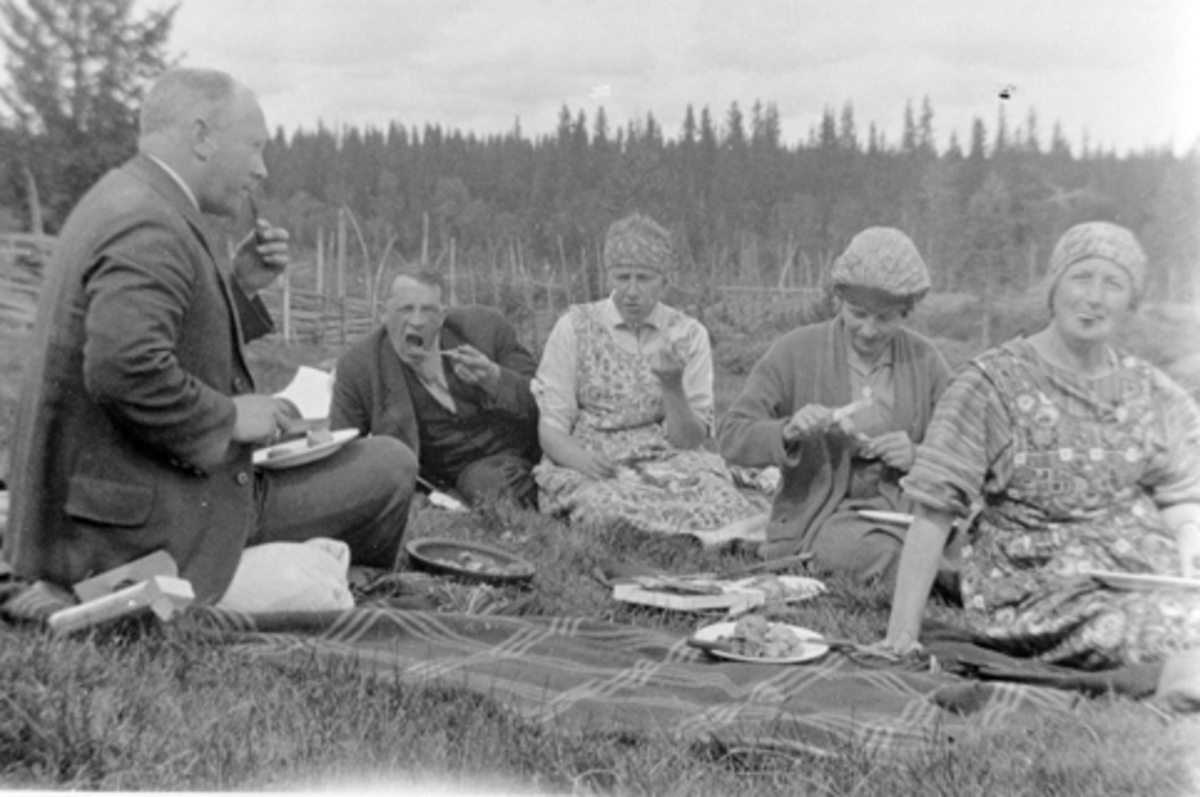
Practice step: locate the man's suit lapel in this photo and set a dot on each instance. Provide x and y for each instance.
(153, 174)
(399, 414)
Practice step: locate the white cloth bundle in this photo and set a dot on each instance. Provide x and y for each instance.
(307, 576)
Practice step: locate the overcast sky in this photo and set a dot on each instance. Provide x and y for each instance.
(1125, 71)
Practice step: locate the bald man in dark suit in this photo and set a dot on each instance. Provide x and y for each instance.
(139, 415)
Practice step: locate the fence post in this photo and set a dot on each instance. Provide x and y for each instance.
(287, 305)
(341, 254)
(342, 306)
(321, 261)
(495, 279)
(453, 279)
(562, 260)
(425, 240)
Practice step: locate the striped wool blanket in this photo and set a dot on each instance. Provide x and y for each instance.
(574, 674)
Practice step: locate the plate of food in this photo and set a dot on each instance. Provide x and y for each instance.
(472, 561)
(755, 640)
(315, 445)
(1141, 581)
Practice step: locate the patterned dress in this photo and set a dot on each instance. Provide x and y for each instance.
(1072, 472)
(658, 488)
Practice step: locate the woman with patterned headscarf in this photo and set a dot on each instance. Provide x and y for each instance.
(839, 407)
(1085, 460)
(625, 394)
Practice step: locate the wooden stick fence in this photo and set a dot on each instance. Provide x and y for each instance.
(309, 317)
(21, 259)
(532, 297)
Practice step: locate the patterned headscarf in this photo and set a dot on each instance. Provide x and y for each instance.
(1104, 240)
(881, 266)
(637, 241)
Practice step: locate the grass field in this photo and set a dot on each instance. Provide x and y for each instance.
(165, 710)
(161, 709)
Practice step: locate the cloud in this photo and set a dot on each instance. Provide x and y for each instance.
(775, 38)
(1113, 67)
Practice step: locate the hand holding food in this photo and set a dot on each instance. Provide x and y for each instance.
(667, 366)
(262, 255)
(809, 421)
(473, 367)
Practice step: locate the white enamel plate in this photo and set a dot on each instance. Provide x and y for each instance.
(724, 631)
(1141, 581)
(899, 518)
(294, 453)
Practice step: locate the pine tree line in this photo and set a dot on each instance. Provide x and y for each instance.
(746, 206)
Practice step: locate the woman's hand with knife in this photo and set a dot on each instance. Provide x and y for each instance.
(809, 421)
(814, 419)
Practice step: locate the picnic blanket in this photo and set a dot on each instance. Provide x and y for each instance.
(577, 674)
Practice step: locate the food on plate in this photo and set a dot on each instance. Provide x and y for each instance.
(681, 585)
(278, 452)
(755, 636)
(475, 563)
(313, 439)
(319, 437)
(784, 590)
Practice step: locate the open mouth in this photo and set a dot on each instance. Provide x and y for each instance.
(414, 340)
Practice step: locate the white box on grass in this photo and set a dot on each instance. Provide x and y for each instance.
(160, 595)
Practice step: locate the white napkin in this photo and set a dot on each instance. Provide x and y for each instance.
(311, 391)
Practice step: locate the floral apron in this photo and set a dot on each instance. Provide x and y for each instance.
(658, 488)
(1075, 503)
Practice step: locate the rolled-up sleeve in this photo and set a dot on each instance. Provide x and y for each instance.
(698, 370)
(555, 384)
(963, 447)
(1173, 472)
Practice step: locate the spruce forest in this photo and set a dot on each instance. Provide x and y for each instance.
(748, 207)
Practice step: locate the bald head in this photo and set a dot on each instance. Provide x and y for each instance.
(210, 131)
(183, 95)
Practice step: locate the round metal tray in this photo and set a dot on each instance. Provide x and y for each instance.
(471, 561)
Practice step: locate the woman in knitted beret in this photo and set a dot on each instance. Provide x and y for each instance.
(1084, 459)
(836, 462)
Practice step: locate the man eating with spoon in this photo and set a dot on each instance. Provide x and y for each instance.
(452, 384)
